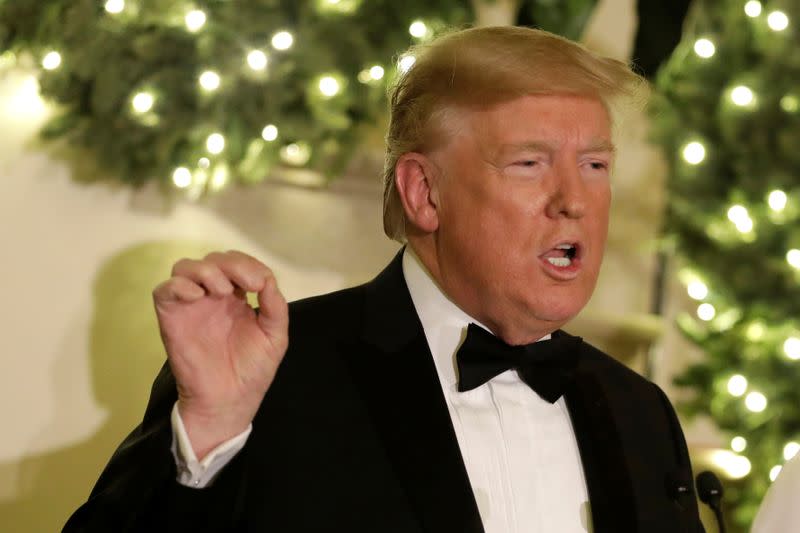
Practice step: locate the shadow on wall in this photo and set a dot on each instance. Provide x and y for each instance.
(125, 355)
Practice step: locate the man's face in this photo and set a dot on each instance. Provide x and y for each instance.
(522, 207)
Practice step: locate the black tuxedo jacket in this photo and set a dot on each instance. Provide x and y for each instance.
(354, 436)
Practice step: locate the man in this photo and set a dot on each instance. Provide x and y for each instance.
(394, 408)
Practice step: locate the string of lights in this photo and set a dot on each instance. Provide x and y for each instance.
(196, 95)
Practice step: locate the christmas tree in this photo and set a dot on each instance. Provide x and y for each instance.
(726, 112)
(194, 94)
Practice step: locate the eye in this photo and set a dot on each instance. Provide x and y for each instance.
(598, 165)
(526, 163)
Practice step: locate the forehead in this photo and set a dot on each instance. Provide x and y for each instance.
(555, 120)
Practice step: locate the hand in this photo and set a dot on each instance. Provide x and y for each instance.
(223, 355)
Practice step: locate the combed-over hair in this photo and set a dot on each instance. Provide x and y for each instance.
(480, 67)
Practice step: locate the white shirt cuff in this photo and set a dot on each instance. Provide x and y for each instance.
(199, 474)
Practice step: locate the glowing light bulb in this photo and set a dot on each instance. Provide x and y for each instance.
(209, 80)
(195, 20)
(738, 444)
(706, 311)
(735, 466)
(737, 385)
(755, 331)
(328, 86)
(790, 103)
(406, 62)
(376, 72)
(791, 347)
(752, 8)
(697, 290)
(182, 177)
(742, 96)
(755, 402)
(52, 60)
(269, 133)
(339, 6)
(773, 472)
(282, 40)
(297, 154)
(737, 214)
(777, 21)
(745, 225)
(219, 178)
(739, 467)
(793, 258)
(142, 102)
(204, 163)
(26, 102)
(790, 450)
(694, 153)
(704, 48)
(257, 60)
(215, 143)
(115, 6)
(777, 200)
(418, 29)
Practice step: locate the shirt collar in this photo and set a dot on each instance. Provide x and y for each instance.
(445, 324)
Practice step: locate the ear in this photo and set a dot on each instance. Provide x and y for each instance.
(416, 179)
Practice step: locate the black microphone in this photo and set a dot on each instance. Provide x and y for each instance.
(709, 489)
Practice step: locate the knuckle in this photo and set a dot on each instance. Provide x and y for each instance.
(246, 259)
(214, 256)
(166, 287)
(158, 289)
(181, 265)
(237, 253)
(206, 269)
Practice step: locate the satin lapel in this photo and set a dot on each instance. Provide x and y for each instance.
(395, 373)
(611, 497)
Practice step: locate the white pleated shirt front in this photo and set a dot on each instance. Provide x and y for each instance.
(519, 450)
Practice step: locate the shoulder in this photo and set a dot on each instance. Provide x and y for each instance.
(611, 371)
(328, 312)
(313, 305)
(625, 387)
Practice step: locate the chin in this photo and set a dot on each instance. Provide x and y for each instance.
(559, 311)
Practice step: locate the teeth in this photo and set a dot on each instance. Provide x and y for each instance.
(560, 261)
(564, 246)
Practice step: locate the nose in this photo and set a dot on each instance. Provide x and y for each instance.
(569, 196)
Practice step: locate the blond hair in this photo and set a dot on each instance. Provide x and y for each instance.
(481, 67)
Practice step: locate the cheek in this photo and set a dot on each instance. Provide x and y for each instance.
(600, 210)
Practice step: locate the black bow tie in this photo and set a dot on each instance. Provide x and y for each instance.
(546, 366)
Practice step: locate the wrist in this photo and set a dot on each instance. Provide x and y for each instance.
(208, 429)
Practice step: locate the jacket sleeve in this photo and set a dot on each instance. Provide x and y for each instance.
(137, 491)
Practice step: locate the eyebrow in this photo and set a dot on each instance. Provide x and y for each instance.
(594, 146)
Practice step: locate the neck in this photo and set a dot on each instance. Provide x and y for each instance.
(513, 332)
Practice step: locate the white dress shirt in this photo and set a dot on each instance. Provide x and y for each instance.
(519, 450)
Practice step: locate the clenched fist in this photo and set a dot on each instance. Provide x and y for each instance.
(223, 354)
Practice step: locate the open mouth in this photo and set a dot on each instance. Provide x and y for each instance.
(562, 255)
